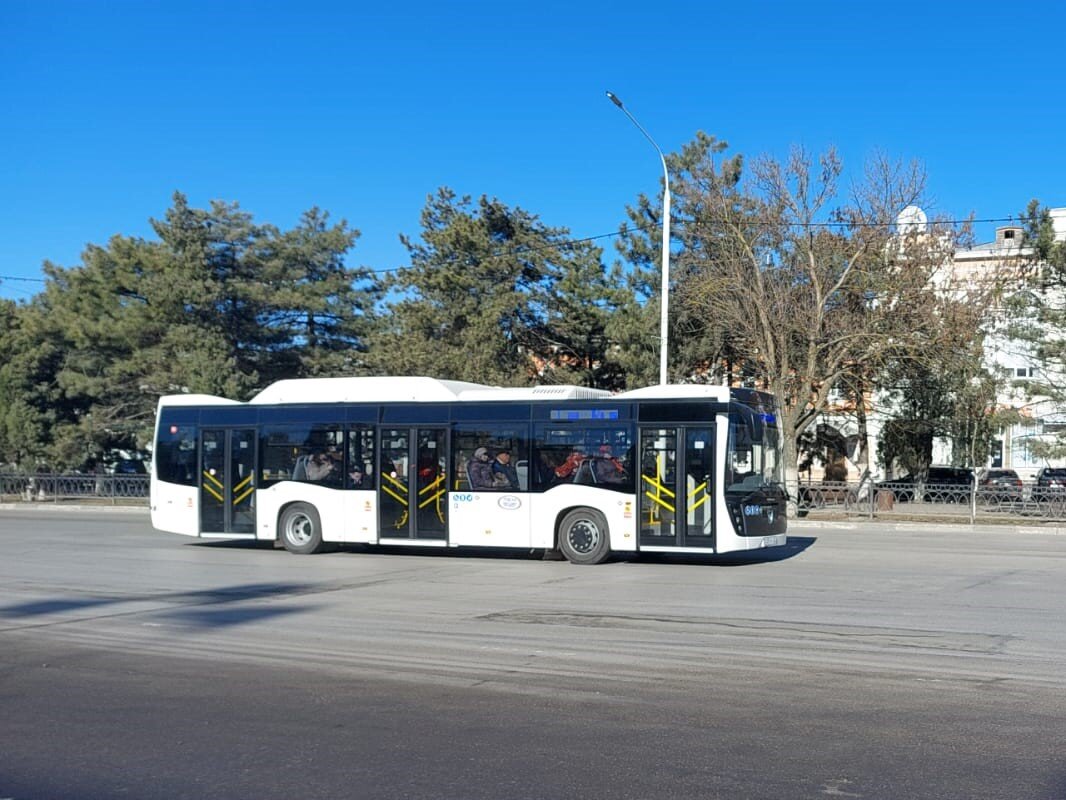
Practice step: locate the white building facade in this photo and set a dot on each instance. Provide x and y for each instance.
(999, 260)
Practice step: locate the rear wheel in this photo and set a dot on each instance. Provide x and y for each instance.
(301, 529)
(583, 537)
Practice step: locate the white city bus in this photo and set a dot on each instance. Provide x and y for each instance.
(430, 463)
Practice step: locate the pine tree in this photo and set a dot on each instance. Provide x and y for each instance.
(474, 303)
(219, 305)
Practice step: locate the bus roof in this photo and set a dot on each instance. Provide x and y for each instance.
(678, 391)
(408, 389)
(196, 400)
(361, 390)
(375, 389)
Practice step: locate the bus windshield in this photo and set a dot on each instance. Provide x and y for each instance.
(753, 453)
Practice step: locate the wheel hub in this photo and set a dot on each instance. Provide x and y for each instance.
(583, 536)
(299, 531)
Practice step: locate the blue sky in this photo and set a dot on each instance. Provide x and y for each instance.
(363, 110)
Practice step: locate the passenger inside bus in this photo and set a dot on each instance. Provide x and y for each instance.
(504, 475)
(545, 469)
(479, 470)
(320, 467)
(358, 479)
(428, 468)
(606, 468)
(570, 467)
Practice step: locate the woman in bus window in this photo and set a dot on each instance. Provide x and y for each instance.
(479, 470)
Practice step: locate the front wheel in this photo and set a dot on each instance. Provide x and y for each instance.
(583, 537)
(301, 529)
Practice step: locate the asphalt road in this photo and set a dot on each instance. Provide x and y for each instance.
(860, 663)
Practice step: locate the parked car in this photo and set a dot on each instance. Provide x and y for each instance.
(129, 466)
(999, 486)
(1050, 485)
(942, 484)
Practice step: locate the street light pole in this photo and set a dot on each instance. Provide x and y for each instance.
(664, 300)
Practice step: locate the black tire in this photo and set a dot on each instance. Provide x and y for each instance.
(300, 529)
(584, 537)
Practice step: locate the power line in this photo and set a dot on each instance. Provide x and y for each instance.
(567, 243)
(682, 224)
(21, 292)
(523, 250)
(16, 278)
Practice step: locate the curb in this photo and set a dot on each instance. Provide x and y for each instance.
(911, 527)
(73, 508)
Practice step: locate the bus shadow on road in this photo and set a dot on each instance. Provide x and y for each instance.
(795, 546)
(232, 544)
(744, 558)
(462, 553)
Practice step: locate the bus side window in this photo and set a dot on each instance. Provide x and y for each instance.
(176, 454)
(361, 456)
(469, 438)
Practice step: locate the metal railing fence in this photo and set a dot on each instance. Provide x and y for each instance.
(59, 488)
(931, 501)
(822, 499)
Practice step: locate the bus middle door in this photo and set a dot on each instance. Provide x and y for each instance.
(413, 486)
(677, 487)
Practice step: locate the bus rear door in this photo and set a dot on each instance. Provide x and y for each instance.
(227, 481)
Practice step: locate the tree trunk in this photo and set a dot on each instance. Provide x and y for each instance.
(863, 456)
(791, 470)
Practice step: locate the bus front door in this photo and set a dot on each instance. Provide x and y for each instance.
(676, 494)
(227, 480)
(413, 485)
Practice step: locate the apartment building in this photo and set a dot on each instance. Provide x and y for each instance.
(1002, 259)
(1010, 357)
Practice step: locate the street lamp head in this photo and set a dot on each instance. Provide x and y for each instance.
(614, 99)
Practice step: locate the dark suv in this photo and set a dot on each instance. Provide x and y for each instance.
(944, 484)
(129, 466)
(999, 486)
(1050, 485)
